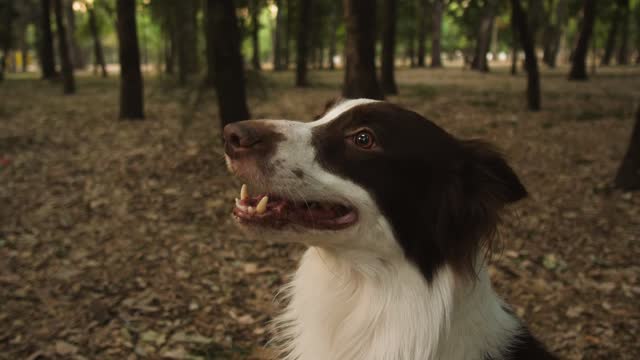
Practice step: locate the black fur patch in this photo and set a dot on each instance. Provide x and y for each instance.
(441, 195)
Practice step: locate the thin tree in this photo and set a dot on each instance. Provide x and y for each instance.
(333, 39)
(515, 48)
(77, 58)
(360, 73)
(388, 79)
(47, 57)
(483, 43)
(98, 52)
(131, 91)
(209, 31)
(519, 18)
(628, 176)
(304, 16)
(277, 37)
(623, 50)
(229, 71)
(579, 59)
(288, 33)
(187, 39)
(63, 48)
(436, 34)
(554, 34)
(423, 11)
(612, 35)
(6, 33)
(254, 9)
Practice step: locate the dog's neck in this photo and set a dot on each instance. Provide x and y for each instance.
(342, 307)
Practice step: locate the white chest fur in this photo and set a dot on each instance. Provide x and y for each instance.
(341, 308)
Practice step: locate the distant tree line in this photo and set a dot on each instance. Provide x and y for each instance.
(222, 39)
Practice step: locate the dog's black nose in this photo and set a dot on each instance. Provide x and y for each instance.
(247, 137)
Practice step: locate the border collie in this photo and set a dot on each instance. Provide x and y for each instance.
(398, 216)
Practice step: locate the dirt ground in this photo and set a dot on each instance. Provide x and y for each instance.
(116, 240)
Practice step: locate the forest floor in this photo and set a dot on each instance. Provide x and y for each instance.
(116, 240)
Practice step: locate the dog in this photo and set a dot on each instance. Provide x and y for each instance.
(398, 216)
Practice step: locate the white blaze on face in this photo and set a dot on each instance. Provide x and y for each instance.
(297, 175)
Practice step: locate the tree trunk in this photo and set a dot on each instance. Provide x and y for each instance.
(628, 176)
(209, 30)
(304, 16)
(131, 92)
(255, 30)
(422, 31)
(553, 34)
(611, 39)
(46, 45)
(187, 40)
(277, 38)
(623, 51)
(229, 70)
(411, 48)
(6, 36)
(360, 75)
(579, 61)
(97, 43)
(483, 42)
(436, 34)
(388, 80)
(334, 36)
(63, 48)
(77, 58)
(514, 48)
(287, 34)
(531, 62)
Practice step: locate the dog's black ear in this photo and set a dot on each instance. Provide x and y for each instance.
(481, 185)
(490, 173)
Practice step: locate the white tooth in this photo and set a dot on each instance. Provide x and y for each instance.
(244, 193)
(251, 210)
(262, 205)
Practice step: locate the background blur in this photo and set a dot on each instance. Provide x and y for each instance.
(116, 240)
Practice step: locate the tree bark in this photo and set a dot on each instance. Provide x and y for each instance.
(515, 48)
(131, 85)
(531, 62)
(611, 38)
(277, 38)
(304, 16)
(554, 35)
(411, 48)
(255, 30)
(46, 46)
(187, 40)
(423, 11)
(333, 40)
(98, 53)
(388, 80)
(63, 48)
(484, 37)
(77, 58)
(229, 70)
(286, 51)
(628, 176)
(6, 36)
(579, 60)
(360, 75)
(436, 34)
(210, 29)
(623, 51)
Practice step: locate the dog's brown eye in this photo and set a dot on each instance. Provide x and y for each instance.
(364, 139)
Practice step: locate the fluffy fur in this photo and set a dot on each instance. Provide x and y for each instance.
(389, 287)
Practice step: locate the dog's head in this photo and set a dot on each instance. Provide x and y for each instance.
(373, 177)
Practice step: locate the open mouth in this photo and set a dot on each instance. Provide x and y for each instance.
(275, 211)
